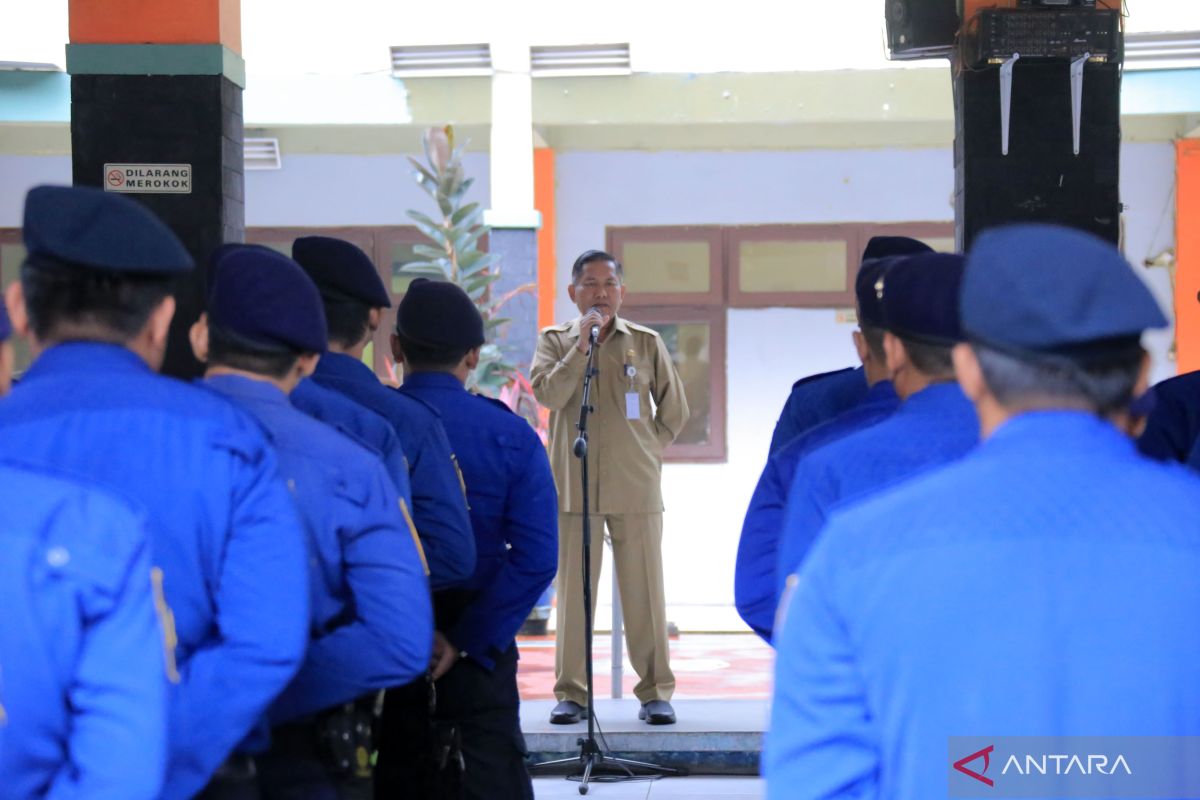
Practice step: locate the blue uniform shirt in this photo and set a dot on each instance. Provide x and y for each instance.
(360, 424)
(817, 399)
(754, 574)
(933, 426)
(372, 621)
(1044, 585)
(439, 504)
(1174, 425)
(83, 694)
(514, 511)
(222, 528)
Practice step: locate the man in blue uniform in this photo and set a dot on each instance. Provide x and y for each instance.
(359, 423)
(95, 298)
(372, 623)
(514, 514)
(934, 424)
(1173, 423)
(1045, 585)
(754, 573)
(83, 695)
(354, 298)
(820, 398)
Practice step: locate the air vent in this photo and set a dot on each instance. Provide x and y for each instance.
(441, 61)
(262, 154)
(584, 60)
(1162, 50)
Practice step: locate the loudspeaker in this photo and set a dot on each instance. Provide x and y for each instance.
(921, 28)
(1041, 179)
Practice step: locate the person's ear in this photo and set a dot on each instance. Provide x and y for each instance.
(571, 291)
(397, 351)
(307, 364)
(198, 336)
(18, 314)
(967, 371)
(897, 356)
(374, 319)
(860, 346)
(159, 324)
(472, 357)
(1142, 385)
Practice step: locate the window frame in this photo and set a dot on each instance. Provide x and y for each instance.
(716, 450)
(851, 234)
(616, 237)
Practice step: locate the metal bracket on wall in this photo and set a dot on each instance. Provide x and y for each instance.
(1077, 95)
(1006, 79)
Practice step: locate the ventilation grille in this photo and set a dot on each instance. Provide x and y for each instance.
(1162, 50)
(262, 154)
(579, 60)
(441, 61)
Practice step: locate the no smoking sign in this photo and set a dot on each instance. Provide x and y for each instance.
(148, 178)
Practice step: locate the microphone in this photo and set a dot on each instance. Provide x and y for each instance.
(595, 334)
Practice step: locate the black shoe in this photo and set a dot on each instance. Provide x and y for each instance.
(568, 712)
(657, 712)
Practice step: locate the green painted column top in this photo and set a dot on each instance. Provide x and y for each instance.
(156, 59)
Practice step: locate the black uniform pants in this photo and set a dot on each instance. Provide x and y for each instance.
(477, 715)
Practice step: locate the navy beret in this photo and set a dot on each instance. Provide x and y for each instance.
(265, 298)
(5, 325)
(884, 246)
(920, 298)
(1038, 290)
(439, 313)
(341, 270)
(91, 228)
(866, 290)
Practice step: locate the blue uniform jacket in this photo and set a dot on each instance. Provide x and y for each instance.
(372, 620)
(360, 424)
(754, 574)
(439, 504)
(1044, 585)
(514, 511)
(222, 528)
(934, 426)
(83, 691)
(817, 399)
(1174, 425)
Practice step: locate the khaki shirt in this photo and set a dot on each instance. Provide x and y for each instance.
(624, 455)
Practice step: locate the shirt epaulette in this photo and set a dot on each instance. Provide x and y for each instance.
(633, 326)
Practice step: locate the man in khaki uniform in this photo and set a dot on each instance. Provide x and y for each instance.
(639, 409)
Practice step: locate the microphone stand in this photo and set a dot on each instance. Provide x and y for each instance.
(591, 756)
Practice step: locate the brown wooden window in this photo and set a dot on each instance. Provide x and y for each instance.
(695, 337)
(681, 280)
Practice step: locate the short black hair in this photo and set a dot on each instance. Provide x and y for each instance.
(1105, 385)
(930, 359)
(110, 306)
(427, 356)
(347, 320)
(873, 336)
(588, 257)
(230, 349)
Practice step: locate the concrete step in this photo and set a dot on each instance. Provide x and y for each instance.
(714, 737)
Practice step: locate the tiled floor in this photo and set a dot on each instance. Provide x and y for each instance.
(708, 666)
(699, 788)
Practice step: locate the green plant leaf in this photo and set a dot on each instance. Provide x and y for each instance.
(463, 215)
(477, 265)
(481, 281)
(423, 174)
(433, 253)
(430, 228)
(426, 268)
(495, 322)
(462, 190)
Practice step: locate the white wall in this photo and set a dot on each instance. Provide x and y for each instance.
(769, 349)
(18, 174)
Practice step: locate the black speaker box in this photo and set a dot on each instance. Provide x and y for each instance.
(921, 28)
(1041, 179)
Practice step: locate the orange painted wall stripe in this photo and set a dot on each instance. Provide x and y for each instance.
(1187, 254)
(543, 201)
(157, 22)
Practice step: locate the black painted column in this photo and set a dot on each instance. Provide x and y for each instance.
(172, 141)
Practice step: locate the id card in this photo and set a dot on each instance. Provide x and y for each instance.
(633, 405)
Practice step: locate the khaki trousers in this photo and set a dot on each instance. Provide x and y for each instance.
(637, 553)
